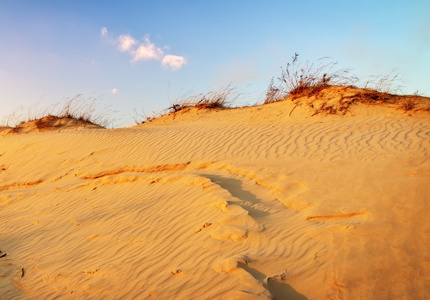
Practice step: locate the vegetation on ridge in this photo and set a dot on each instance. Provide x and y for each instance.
(77, 108)
(306, 84)
(220, 99)
(303, 84)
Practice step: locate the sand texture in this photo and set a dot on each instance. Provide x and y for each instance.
(251, 203)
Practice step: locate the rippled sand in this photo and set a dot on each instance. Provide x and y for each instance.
(249, 203)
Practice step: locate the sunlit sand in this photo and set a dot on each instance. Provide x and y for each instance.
(263, 202)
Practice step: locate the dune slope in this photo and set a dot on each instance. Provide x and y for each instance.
(251, 203)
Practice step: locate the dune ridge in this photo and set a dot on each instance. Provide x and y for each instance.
(249, 203)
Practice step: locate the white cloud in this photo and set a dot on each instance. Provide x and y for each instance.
(147, 51)
(126, 42)
(104, 31)
(114, 91)
(173, 61)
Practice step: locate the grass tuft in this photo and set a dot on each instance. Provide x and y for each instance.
(215, 99)
(273, 93)
(384, 84)
(407, 105)
(142, 117)
(76, 108)
(310, 78)
(306, 83)
(220, 99)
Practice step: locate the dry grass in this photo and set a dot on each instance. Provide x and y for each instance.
(220, 99)
(305, 83)
(81, 109)
(309, 78)
(142, 117)
(407, 104)
(300, 83)
(273, 93)
(384, 84)
(76, 108)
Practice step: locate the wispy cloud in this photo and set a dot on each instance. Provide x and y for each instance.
(173, 61)
(104, 31)
(145, 50)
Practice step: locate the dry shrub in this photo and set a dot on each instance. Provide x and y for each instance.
(298, 80)
(310, 78)
(305, 83)
(23, 115)
(220, 99)
(383, 84)
(408, 104)
(83, 109)
(77, 108)
(142, 117)
(273, 93)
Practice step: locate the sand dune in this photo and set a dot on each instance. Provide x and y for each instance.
(252, 203)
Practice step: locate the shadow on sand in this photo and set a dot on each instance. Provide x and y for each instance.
(283, 291)
(280, 290)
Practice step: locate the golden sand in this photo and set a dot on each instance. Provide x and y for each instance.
(249, 203)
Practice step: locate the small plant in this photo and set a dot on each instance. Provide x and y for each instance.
(217, 99)
(82, 109)
(383, 84)
(306, 80)
(273, 93)
(220, 99)
(307, 84)
(408, 104)
(144, 118)
(77, 108)
(311, 77)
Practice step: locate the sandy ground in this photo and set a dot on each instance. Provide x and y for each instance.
(250, 203)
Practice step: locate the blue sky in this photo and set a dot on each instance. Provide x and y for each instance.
(145, 54)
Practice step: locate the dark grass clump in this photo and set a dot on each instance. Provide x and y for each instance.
(142, 117)
(305, 83)
(310, 78)
(273, 93)
(407, 105)
(77, 108)
(221, 99)
(383, 84)
(213, 100)
(84, 109)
